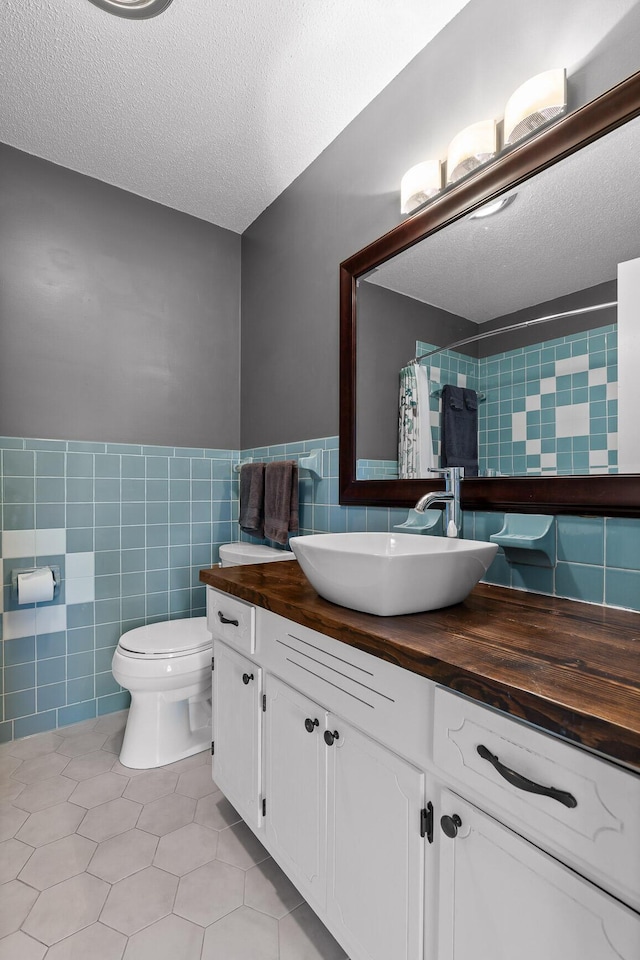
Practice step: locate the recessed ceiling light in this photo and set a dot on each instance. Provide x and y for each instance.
(133, 9)
(494, 207)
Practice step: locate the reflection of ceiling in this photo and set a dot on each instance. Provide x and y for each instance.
(567, 229)
(211, 108)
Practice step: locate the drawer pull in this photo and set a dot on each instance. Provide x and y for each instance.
(246, 677)
(329, 737)
(310, 724)
(517, 780)
(223, 619)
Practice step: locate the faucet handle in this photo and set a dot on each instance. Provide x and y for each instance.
(452, 472)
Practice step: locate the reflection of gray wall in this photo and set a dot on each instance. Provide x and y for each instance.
(388, 326)
(119, 318)
(350, 194)
(601, 293)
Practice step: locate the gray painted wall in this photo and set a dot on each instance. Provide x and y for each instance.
(389, 325)
(119, 318)
(350, 194)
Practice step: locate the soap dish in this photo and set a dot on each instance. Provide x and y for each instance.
(420, 522)
(528, 538)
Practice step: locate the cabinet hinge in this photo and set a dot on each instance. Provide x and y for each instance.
(213, 748)
(264, 807)
(213, 663)
(426, 822)
(264, 703)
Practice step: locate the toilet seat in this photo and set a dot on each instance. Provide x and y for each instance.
(167, 639)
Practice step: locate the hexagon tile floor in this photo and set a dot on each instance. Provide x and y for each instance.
(99, 861)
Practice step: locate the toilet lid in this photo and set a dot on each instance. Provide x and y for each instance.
(168, 637)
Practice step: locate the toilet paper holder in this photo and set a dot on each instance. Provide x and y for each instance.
(54, 570)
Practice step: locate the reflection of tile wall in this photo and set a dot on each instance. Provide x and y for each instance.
(552, 407)
(376, 469)
(130, 527)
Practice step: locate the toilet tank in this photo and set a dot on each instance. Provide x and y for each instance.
(236, 554)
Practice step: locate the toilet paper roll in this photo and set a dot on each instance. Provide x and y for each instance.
(36, 586)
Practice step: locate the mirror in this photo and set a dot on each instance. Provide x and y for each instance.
(550, 438)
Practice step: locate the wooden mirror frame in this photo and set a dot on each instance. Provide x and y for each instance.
(598, 494)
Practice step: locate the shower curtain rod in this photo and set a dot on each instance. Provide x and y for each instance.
(515, 326)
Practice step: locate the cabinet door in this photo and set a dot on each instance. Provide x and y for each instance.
(501, 897)
(237, 733)
(295, 785)
(375, 891)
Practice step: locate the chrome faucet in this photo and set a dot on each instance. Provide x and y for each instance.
(450, 498)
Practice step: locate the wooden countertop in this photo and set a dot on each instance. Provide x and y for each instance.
(572, 668)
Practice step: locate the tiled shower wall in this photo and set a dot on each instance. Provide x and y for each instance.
(130, 528)
(549, 408)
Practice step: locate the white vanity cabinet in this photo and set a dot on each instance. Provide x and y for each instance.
(295, 776)
(237, 730)
(375, 892)
(529, 866)
(367, 785)
(501, 897)
(343, 812)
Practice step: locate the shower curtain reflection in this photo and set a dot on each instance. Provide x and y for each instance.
(415, 443)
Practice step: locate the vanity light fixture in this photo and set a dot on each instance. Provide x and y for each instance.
(488, 209)
(536, 102)
(419, 184)
(470, 148)
(133, 9)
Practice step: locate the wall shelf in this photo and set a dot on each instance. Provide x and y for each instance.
(427, 522)
(528, 539)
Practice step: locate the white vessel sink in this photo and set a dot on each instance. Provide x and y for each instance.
(392, 573)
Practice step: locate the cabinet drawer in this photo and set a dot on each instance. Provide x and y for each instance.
(231, 620)
(592, 820)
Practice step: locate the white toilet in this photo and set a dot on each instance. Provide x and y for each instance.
(167, 669)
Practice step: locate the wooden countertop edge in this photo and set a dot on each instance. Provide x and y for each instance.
(548, 691)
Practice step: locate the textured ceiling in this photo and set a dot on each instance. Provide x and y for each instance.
(212, 108)
(566, 229)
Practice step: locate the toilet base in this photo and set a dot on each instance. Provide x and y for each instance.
(161, 730)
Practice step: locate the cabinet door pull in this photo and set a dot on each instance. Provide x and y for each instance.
(450, 825)
(310, 724)
(223, 619)
(330, 737)
(246, 677)
(522, 783)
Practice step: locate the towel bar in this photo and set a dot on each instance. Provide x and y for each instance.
(311, 462)
(438, 393)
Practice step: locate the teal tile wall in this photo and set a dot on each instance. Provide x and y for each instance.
(133, 526)
(549, 408)
(552, 407)
(130, 527)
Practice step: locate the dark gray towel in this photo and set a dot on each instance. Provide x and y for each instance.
(252, 499)
(459, 429)
(280, 500)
